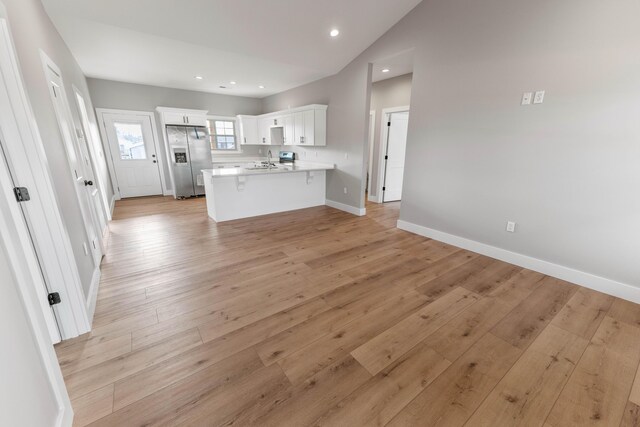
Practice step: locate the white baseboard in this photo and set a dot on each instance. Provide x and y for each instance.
(588, 280)
(112, 205)
(346, 208)
(92, 297)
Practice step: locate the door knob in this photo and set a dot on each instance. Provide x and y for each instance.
(86, 183)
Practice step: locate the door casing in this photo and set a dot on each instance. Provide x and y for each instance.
(100, 113)
(384, 131)
(80, 166)
(25, 154)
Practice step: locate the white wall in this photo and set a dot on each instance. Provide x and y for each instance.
(32, 30)
(26, 398)
(566, 171)
(394, 92)
(137, 97)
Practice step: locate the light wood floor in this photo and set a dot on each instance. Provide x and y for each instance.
(318, 317)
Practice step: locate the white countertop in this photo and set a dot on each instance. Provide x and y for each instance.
(280, 168)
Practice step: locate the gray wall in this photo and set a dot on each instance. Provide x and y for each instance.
(394, 92)
(347, 95)
(32, 30)
(566, 171)
(130, 96)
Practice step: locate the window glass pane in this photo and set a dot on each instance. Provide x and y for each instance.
(222, 134)
(131, 141)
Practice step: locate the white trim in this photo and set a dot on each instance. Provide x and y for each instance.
(25, 152)
(371, 145)
(223, 153)
(91, 146)
(373, 199)
(347, 208)
(384, 130)
(100, 112)
(92, 297)
(112, 205)
(77, 169)
(14, 231)
(588, 280)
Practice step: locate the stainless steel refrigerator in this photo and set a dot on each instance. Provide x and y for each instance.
(189, 152)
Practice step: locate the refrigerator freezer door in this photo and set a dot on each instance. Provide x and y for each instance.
(180, 161)
(200, 154)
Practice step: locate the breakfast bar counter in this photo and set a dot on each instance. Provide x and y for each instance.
(252, 190)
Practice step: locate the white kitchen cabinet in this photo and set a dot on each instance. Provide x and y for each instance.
(248, 128)
(176, 116)
(196, 119)
(305, 126)
(310, 127)
(264, 131)
(289, 132)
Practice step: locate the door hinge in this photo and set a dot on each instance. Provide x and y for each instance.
(384, 188)
(22, 194)
(389, 124)
(54, 298)
(386, 157)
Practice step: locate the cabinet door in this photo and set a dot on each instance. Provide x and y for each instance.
(277, 121)
(174, 118)
(298, 128)
(248, 127)
(196, 120)
(289, 133)
(264, 134)
(309, 127)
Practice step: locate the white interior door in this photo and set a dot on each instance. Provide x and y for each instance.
(101, 204)
(79, 161)
(135, 161)
(394, 160)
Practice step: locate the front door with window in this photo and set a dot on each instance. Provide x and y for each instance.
(134, 156)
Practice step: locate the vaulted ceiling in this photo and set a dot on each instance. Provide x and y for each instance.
(278, 44)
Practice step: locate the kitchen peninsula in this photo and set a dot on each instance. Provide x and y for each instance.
(250, 190)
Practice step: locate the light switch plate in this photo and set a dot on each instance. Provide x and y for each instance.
(511, 227)
(526, 98)
(538, 97)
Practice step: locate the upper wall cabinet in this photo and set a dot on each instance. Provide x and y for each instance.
(182, 117)
(248, 128)
(305, 126)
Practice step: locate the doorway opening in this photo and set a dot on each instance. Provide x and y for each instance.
(134, 159)
(391, 85)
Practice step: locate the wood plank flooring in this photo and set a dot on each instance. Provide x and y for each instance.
(317, 317)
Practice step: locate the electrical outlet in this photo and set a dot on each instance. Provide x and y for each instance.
(538, 98)
(511, 226)
(345, 190)
(526, 98)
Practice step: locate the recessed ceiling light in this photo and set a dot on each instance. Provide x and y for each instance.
(232, 83)
(261, 87)
(386, 70)
(334, 32)
(198, 77)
